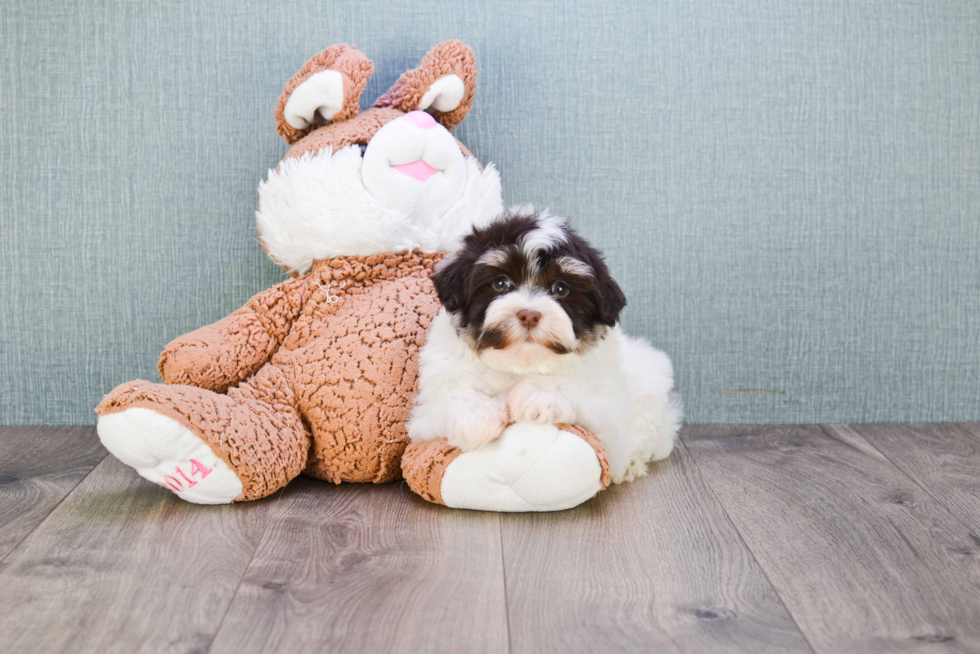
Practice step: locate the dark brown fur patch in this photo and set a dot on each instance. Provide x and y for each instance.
(557, 348)
(491, 338)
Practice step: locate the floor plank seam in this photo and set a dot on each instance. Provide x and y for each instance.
(755, 558)
(913, 480)
(241, 579)
(53, 509)
(503, 572)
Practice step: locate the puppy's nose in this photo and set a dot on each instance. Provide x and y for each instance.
(529, 318)
(420, 119)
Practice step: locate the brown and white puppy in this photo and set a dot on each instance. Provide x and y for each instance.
(529, 333)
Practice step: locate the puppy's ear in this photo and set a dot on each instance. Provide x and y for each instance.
(327, 89)
(612, 300)
(443, 85)
(450, 281)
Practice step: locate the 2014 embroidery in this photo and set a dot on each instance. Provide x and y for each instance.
(197, 469)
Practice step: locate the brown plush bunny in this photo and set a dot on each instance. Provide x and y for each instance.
(317, 374)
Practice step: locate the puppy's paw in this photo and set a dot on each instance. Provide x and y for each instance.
(478, 423)
(529, 403)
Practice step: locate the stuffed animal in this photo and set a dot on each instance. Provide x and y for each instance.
(318, 373)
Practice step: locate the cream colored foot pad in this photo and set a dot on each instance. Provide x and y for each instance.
(529, 468)
(168, 454)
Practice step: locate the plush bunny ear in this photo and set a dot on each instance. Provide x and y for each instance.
(443, 85)
(327, 89)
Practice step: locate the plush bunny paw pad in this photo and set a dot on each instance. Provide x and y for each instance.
(165, 452)
(529, 468)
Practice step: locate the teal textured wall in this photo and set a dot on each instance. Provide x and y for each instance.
(788, 190)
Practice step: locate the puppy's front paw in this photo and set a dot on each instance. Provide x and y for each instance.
(529, 403)
(478, 424)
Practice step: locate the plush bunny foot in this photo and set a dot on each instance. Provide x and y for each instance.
(529, 468)
(253, 430)
(167, 453)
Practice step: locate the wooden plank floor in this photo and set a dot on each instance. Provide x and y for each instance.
(39, 466)
(749, 539)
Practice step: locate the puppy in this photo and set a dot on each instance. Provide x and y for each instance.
(529, 333)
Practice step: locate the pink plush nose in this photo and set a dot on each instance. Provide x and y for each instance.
(420, 119)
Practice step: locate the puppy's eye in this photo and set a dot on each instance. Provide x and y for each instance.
(501, 284)
(363, 148)
(559, 289)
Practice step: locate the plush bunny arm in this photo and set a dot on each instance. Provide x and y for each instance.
(227, 352)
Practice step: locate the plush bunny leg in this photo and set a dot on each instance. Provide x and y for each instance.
(207, 447)
(529, 468)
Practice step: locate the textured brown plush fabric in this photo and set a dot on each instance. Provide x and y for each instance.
(424, 464)
(336, 355)
(358, 371)
(221, 355)
(355, 70)
(447, 58)
(359, 129)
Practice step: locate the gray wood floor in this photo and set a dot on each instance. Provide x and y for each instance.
(749, 539)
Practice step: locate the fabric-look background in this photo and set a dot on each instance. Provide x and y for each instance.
(787, 191)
